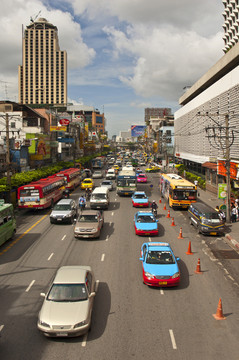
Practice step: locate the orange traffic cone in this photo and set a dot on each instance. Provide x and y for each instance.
(164, 208)
(219, 314)
(160, 200)
(189, 252)
(180, 234)
(173, 224)
(168, 216)
(198, 268)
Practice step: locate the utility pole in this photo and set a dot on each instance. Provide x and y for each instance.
(223, 140)
(227, 163)
(8, 152)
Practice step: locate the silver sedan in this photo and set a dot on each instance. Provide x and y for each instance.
(67, 307)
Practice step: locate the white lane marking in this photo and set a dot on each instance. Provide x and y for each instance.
(161, 292)
(107, 238)
(102, 257)
(63, 238)
(172, 339)
(29, 287)
(112, 213)
(1, 327)
(110, 223)
(149, 239)
(84, 341)
(97, 285)
(115, 199)
(50, 256)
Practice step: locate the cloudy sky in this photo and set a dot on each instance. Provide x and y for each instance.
(123, 55)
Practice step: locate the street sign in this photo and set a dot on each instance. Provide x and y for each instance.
(58, 128)
(64, 122)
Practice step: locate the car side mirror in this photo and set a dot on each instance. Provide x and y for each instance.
(42, 294)
(157, 220)
(141, 259)
(92, 295)
(178, 258)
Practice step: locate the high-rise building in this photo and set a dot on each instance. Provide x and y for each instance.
(42, 77)
(160, 112)
(231, 23)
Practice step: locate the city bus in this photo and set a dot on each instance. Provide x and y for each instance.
(7, 221)
(179, 193)
(126, 183)
(72, 177)
(41, 194)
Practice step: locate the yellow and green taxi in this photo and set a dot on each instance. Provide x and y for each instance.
(116, 168)
(87, 183)
(153, 169)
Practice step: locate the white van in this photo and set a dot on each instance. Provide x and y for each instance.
(100, 198)
(110, 174)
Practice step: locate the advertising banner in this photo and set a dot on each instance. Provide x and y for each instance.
(234, 169)
(222, 191)
(137, 130)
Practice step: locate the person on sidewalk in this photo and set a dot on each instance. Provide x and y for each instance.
(234, 214)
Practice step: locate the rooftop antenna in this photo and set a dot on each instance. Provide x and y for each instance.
(35, 17)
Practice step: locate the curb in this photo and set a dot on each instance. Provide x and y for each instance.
(233, 241)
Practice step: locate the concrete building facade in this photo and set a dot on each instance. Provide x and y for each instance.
(42, 77)
(231, 23)
(201, 137)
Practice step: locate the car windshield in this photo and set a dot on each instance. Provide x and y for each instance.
(62, 207)
(88, 218)
(67, 292)
(98, 196)
(106, 183)
(87, 181)
(160, 257)
(140, 196)
(146, 219)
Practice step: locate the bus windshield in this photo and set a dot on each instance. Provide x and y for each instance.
(7, 222)
(126, 182)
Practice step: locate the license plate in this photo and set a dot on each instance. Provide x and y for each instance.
(59, 219)
(213, 233)
(141, 205)
(147, 233)
(126, 193)
(61, 334)
(163, 283)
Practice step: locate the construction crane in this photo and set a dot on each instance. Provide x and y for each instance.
(32, 19)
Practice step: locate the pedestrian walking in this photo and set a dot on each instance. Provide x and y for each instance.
(234, 214)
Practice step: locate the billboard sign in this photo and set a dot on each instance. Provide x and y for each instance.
(64, 122)
(137, 130)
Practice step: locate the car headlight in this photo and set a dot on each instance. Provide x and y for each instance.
(67, 215)
(175, 275)
(94, 229)
(82, 323)
(149, 276)
(77, 229)
(42, 323)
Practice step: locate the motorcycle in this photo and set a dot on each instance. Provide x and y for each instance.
(81, 205)
(66, 194)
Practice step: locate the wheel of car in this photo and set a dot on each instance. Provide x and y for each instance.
(51, 221)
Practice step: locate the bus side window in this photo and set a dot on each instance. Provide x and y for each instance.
(5, 219)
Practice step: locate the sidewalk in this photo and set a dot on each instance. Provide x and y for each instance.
(232, 229)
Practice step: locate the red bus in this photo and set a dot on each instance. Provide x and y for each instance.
(41, 194)
(72, 177)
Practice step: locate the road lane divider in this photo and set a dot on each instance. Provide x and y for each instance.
(97, 285)
(112, 214)
(102, 257)
(29, 287)
(1, 328)
(63, 238)
(84, 341)
(50, 256)
(172, 339)
(21, 236)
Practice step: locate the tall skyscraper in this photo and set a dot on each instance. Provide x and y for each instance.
(231, 23)
(42, 77)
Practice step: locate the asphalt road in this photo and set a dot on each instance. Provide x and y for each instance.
(130, 320)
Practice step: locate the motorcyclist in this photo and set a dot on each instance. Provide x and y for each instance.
(87, 193)
(154, 206)
(66, 193)
(82, 202)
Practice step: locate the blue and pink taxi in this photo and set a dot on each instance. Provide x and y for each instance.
(145, 223)
(140, 199)
(159, 265)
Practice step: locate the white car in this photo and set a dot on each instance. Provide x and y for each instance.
(67, 307)
(97, 174)
(108, 184)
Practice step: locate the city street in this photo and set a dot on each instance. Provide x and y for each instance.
(130, 320)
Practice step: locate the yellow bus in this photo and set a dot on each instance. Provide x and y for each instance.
(179, 193)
